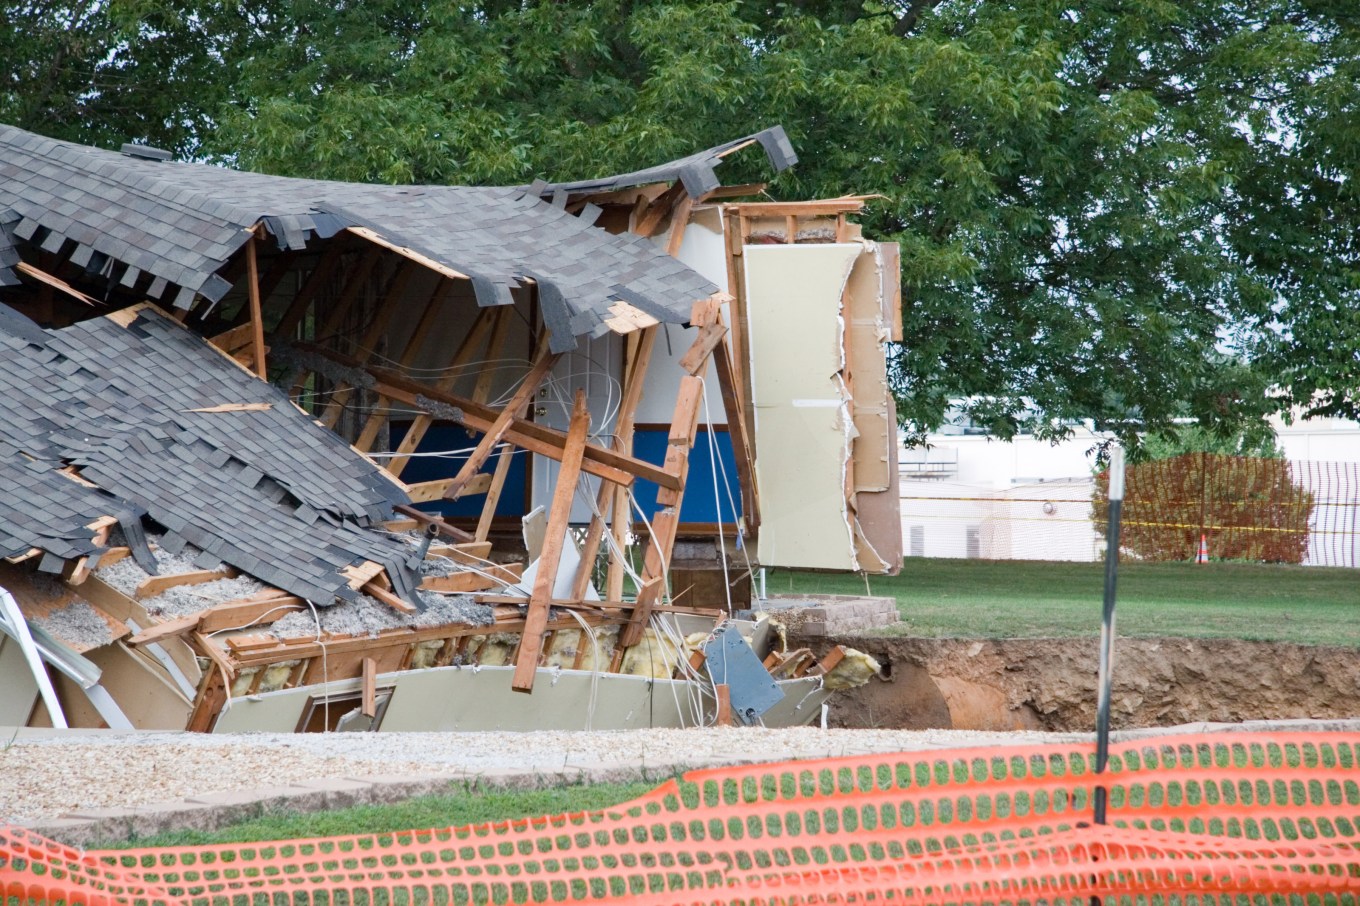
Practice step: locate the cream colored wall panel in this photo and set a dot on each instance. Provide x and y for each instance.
(802, 414)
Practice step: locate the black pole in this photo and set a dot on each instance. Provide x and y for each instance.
(1107, 627)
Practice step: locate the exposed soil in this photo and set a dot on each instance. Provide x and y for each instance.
(1050, 684)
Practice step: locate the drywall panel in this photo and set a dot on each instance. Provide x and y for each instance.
(802, 414)
(866, 335)
(18, 690)
(480, 698)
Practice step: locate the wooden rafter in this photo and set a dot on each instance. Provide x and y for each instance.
(378, 417)
(471, 343)
(387, 306)
(559, 516)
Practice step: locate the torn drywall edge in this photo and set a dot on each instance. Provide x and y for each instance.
(865, 339)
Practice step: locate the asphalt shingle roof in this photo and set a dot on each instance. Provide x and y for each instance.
(266, 490)
(181, 222)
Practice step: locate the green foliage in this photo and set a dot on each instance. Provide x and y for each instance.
(1246, 507)
(1127, 212)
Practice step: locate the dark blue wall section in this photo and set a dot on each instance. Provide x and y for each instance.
(432, 468)
(699, 504)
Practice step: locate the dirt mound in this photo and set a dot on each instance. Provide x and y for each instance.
(1050, 684)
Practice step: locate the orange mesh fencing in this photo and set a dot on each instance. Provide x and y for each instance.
(1215, 817)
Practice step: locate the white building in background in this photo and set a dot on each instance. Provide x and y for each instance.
(971, 495)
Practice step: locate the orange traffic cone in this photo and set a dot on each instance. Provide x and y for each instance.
(1203, 555)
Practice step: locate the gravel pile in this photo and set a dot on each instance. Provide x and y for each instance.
(43, 778)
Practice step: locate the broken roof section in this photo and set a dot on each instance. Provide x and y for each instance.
(222, 460)
(166, 229)
(695, 172)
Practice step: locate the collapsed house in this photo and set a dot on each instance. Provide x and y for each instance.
(288, 454)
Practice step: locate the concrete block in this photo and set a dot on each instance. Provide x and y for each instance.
(386, 788)
(337, 792)
(813, 629)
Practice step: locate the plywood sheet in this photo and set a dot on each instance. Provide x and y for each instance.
(802, 417)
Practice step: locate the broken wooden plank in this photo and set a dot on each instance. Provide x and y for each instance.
(426, 491)
(156, 585)
(471, 553)
(559, 518)
(256, 306)
(368, 699)
(165, 630)
(250, 611)
(486, 576)
(375, 590)
(235, 407)
(359, 575)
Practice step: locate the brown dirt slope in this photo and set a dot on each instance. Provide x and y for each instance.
(1050, 684)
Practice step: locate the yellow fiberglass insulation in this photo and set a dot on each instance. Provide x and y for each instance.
(855, 669)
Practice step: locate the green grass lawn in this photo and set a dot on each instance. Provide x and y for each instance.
(1029, 599)
(454, 809)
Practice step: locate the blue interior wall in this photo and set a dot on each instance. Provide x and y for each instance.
(700, 504)
(432, 468)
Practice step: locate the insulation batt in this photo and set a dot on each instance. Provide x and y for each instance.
(855, 669)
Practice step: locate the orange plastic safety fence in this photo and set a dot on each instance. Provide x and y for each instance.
(1214, 817)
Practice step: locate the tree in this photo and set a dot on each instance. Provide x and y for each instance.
(1244, 507)
(1128, 212)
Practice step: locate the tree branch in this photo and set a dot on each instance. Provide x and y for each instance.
(907, 23)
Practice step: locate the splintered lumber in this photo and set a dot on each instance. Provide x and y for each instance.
(426, 491)
(424, 518)
(166, 630)
(743, 451)
(666, 522)
(375, 590)
(649, 223)
(273, 604)
(360, 575)
(636, 377)
(493, 493)
(487, 576)
(256, 308)
(368, 706)
(559, 517)
(496, 431)
(155, 585)
(696, 357)
(472, 553)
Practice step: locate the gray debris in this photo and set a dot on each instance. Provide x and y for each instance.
(183, 600)
(78, 625)
(369, 616)
(126, 575)
(439, 409)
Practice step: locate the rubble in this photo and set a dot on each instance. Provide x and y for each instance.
(277, 439)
